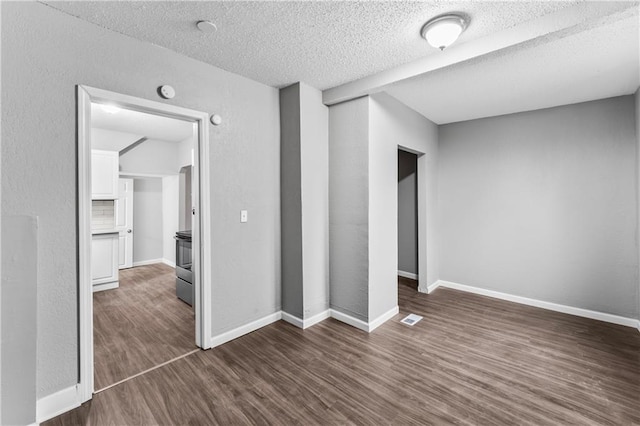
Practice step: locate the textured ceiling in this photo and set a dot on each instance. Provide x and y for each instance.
(139, 123)
(322, 43)
(597, 63)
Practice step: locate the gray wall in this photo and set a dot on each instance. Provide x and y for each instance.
(407, 212)
(45, 53)
(637, 99)
(147, 220)
(19, 320)
(349, 207)
(542, 204)
(291, 201)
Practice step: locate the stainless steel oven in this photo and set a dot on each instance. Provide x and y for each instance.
(184, 275)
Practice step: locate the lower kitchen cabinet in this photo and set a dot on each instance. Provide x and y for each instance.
(104, 261)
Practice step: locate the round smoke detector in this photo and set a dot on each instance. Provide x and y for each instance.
(206, 26)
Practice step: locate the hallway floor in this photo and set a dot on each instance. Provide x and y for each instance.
(139, 325)
(471, 360)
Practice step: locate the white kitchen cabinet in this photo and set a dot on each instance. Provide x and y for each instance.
(104, 261)
(104, 175)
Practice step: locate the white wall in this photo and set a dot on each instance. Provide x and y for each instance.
(393, 125)
(314, 182)
(185, 152)
(147, 220)
(170, 207)
(152, 157)
(383, 213)
(163, 158)
(39, 165)
(542, 204)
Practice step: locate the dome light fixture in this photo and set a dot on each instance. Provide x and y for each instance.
(441, 31)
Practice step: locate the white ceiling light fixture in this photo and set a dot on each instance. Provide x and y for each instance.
(110, 108)
(443, 30)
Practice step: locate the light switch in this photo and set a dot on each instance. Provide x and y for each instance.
(244, 216)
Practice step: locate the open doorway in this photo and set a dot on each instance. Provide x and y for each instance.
(142, 311)
(142, 279)
(408, 272)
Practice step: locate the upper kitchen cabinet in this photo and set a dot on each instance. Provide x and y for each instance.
(104, 175)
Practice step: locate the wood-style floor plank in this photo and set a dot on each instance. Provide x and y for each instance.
(140, 324)
(472, 360)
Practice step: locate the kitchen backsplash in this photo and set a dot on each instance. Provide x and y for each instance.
(103, 214)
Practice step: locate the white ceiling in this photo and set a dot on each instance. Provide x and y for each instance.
(141, 124)
(597, 63)
(532, 54)
(322, 43)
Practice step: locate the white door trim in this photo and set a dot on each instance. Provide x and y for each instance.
(202, 225)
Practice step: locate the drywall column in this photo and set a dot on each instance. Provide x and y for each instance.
(349, 208)
(19, 319)
(364, 136)
(304, 202)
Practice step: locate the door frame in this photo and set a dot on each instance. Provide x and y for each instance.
(202, 225)
(421, 200)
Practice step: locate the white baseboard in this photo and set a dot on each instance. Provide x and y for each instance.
(383, 318)
(245, 329)
(580, 312)
(169, 262)
(409, 275)
(55, 404)
(105, 286)
(147, 262)
(298, 322)
(348, 319)
(431, 288)
(362, 325)
(306, 323)
(293, 320)
(317, 318)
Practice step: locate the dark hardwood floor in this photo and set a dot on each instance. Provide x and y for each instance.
(139, 325)
(471, 360)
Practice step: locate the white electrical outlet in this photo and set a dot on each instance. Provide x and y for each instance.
(244, 216)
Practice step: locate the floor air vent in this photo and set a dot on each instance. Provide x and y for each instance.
(411, 319)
